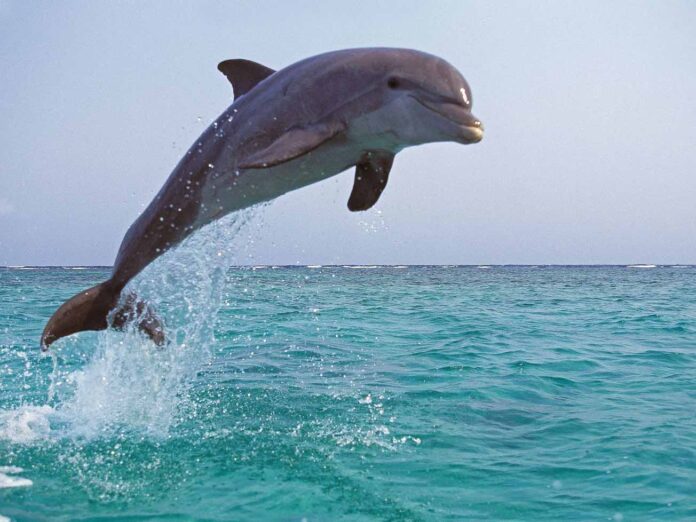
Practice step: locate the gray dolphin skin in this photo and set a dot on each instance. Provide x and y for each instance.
(285, 129)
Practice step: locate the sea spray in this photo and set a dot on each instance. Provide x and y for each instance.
(129, 384)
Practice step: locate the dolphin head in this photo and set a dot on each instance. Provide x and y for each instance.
(438, 100)
(413, 98)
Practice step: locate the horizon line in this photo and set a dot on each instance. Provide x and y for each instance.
(443, 265)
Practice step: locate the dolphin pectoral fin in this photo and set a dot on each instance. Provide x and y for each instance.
(244, 74)
(371, 175)
(292, 144)
(133, 309)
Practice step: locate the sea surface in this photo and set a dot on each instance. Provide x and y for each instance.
(356, 393)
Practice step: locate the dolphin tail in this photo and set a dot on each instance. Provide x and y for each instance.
(90, 310)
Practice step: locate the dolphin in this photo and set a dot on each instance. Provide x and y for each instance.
(284, 130)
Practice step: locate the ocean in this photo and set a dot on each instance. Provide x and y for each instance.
(356, 393)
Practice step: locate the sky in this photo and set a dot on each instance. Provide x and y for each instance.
(589, 154)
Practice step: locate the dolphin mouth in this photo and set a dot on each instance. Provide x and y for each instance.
(470, 127)
(471, 134)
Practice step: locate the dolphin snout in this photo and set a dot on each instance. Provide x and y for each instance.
(473, 130)
(477, 123)
(470, 127)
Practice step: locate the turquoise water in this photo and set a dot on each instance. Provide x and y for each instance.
(357, 393)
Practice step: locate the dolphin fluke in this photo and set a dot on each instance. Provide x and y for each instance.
(90, 310)
(134, 310)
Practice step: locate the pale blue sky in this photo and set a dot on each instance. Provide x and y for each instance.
(589, 108)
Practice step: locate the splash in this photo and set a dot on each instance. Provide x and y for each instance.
(374, 223)
(129, 385)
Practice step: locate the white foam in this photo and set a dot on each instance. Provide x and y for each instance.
(4, 519)
(641, 266)
(6, 481)
(25, 424)
(313, 266)
(483, 267)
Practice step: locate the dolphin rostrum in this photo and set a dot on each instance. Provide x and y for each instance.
(284, 130)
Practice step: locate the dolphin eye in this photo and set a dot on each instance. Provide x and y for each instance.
(393, 83)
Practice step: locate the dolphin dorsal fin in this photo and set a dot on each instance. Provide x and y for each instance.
(243, 74)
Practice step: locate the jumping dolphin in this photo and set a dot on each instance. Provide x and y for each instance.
(285, 129)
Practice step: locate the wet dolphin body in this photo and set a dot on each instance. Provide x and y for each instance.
(284, 130)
